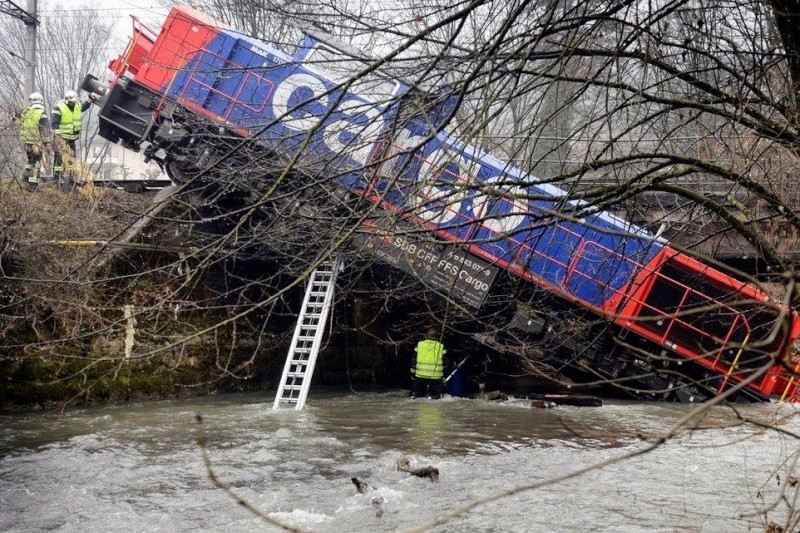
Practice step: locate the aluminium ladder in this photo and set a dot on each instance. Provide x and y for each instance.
(307, 338)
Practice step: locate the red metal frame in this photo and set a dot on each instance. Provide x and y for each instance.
(631, 313)
(139, 47)
(185, 31)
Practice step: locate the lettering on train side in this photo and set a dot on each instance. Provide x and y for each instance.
(444, 187)
(293, 90)
(441, 189)
(351, 130)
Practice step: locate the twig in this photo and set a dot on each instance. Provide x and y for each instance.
(202, 442)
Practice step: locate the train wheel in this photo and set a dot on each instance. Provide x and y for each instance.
(175, 171)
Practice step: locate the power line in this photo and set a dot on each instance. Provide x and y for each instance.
(106, 9)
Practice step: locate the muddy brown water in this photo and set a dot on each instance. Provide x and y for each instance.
(139, 467)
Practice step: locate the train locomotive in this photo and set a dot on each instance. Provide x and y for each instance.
(675, 328)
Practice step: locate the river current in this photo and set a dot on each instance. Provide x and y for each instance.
(140, 467)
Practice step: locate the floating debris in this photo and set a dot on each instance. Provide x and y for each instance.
(361, 486)
(430, 472)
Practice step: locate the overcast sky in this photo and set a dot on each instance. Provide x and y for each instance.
(150, 12)
(106, 9)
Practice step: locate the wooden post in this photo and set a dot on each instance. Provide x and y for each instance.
(130, 330)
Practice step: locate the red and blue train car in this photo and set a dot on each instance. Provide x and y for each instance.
(683, 330)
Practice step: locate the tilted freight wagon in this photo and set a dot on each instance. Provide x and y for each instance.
(195, 94)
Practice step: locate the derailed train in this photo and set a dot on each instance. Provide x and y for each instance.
(678, 329)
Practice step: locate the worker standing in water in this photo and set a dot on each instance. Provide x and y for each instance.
(429, 366)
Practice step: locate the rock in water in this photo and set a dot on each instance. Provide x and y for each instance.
(361, 486)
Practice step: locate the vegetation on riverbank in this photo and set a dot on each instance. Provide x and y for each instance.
(66, 337)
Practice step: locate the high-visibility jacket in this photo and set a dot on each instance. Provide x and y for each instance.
(30, 128)
(430, 355)
(70, 126)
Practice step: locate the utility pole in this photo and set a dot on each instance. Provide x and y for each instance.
(31, 23)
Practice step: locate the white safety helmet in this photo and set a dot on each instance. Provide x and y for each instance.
(71, 96)
(36, 98)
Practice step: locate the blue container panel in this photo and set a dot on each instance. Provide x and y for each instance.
(609, 259)
(248, 108)
(598, 269)
(195, 82)
(227, 78)
(597, 274)
(550, 255)
(448, 202)
(515, 243)
(394, 178)
(230, 81)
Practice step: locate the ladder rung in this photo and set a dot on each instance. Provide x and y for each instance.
(305, 345)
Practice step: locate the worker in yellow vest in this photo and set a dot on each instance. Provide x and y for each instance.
(67, 121)
(429, 366)
(34, 132)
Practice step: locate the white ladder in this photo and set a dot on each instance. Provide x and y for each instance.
(307, 338)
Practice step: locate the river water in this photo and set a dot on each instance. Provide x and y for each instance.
(140, 468)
